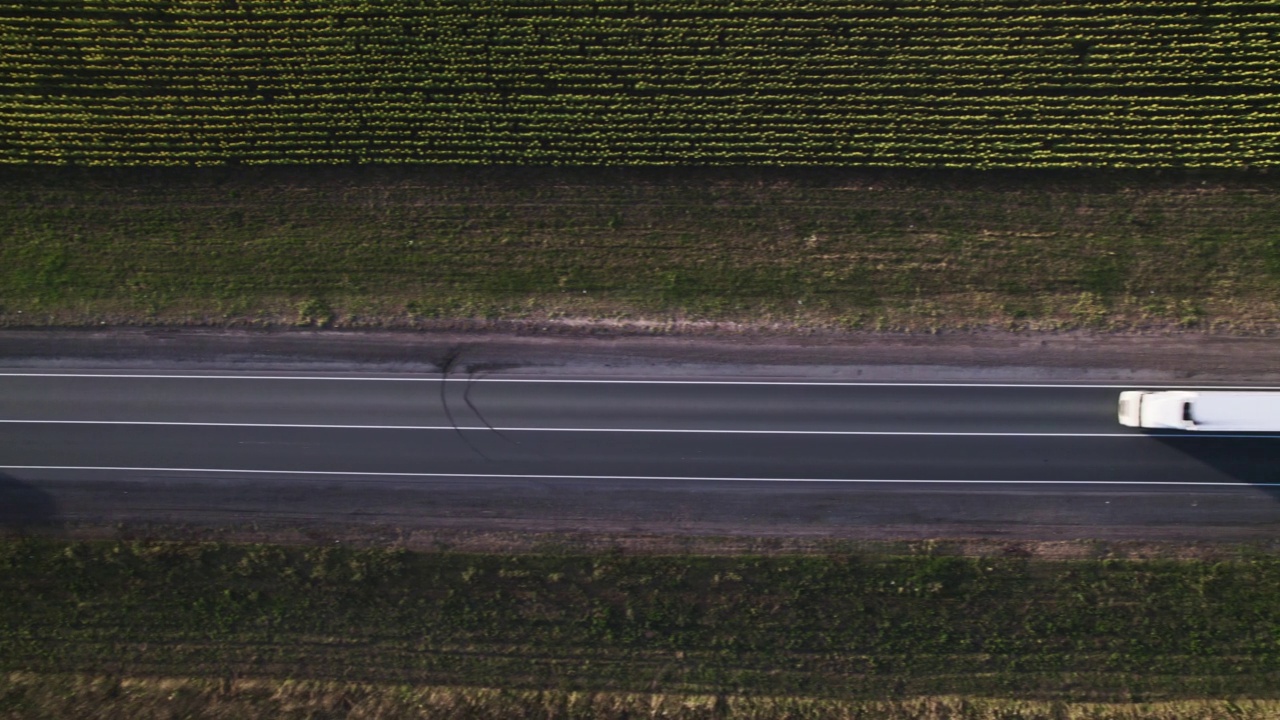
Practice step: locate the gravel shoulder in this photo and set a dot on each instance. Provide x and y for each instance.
(987, 356)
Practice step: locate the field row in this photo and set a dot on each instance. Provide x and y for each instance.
(842, 625)
(682, 76)
(1041, 84)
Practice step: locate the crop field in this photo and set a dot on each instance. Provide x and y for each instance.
(185, 619)
(896, 83)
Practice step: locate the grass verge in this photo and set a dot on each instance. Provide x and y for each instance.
(834, 628)
(647, 250)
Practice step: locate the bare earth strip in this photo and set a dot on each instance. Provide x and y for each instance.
(131, 698)
(1068, 356)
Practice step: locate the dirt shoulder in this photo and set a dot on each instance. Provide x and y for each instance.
(697, 352)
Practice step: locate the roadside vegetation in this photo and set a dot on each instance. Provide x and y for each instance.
(648, 250)
(411, 165)
(126, 625)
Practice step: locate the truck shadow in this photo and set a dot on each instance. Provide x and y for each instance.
(1235, 457)
(24, 507)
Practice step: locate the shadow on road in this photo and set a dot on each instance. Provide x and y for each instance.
(1236, 458)
(23, 507)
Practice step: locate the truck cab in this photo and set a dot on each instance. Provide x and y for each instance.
(1174, 410)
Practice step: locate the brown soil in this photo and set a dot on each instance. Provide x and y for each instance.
(701, 351)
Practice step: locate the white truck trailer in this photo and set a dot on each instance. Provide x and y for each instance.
(1201, 410)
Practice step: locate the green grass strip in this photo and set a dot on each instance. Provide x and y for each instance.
(833, 249)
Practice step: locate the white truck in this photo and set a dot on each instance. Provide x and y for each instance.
(1201, 410)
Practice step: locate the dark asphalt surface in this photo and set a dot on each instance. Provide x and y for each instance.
(596, 405)
(636, 456)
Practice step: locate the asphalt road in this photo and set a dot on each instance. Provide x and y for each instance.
(564, 454)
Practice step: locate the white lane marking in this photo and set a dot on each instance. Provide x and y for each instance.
(629, 382)
(714, 431)
(356, 473)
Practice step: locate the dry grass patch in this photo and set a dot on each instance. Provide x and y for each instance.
(29, 695)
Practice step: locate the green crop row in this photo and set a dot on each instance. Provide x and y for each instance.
(1047, 83)
(842, 626)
